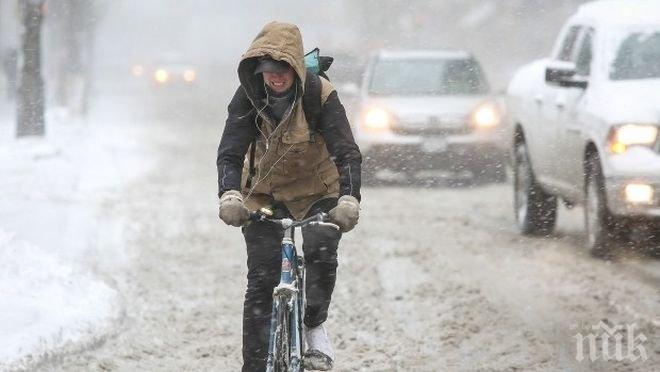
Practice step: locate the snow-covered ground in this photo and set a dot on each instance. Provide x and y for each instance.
(56, 241)
(432, 279)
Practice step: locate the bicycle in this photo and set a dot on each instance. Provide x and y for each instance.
(285, 344)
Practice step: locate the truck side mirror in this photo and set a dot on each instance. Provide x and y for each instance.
(564, 74)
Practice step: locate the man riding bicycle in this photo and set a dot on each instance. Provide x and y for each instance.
(271, 155)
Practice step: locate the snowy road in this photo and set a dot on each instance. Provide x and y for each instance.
(432, 279)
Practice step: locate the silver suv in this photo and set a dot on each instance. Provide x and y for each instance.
(424, 111)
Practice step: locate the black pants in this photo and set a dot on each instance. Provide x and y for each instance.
(264, 264)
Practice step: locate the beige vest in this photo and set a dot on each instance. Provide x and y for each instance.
(291, 169)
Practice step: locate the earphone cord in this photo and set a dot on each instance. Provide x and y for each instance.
(267, 138)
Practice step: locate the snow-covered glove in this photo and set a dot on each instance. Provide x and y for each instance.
(232, 210)
(346, 213)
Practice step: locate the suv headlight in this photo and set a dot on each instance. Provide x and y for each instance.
(624, 136)
(486, 115)
(377, 119)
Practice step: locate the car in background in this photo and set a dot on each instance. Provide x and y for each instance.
(586, 122)
(170, 70)
(168, 74)
(428, 110)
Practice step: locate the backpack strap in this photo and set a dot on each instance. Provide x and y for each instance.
(312, 103)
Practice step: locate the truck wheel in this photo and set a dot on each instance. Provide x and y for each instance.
(535, 210)
(599, 223)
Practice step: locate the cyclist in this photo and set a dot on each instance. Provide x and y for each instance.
(270, 156)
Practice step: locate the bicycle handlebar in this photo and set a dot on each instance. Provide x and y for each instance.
(319, 219)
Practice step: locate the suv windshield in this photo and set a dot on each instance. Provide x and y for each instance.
(638, 57)
(427, 77)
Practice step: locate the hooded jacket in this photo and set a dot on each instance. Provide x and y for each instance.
(289, 168)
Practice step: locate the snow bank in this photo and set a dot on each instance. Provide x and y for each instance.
(56, 235)
(46, 304)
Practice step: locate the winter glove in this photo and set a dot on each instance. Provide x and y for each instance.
(232, 210)
(346, 213)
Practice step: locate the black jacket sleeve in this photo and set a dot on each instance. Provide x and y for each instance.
(339, 140)
(240, 130)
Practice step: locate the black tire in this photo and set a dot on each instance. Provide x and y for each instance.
(600, 225)
(535, 210)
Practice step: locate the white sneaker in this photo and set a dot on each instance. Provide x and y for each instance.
(319, 355)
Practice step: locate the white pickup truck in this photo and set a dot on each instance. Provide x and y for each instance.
(586, 125)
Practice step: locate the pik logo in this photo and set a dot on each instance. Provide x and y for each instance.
(605, 342)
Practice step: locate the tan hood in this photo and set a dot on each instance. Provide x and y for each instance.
(280, 41)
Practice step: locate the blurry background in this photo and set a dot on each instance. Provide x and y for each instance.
(93, 48)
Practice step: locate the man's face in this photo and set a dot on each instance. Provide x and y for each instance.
(279, 81)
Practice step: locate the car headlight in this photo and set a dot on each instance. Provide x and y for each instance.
(624, 136)
(161, 75)
(137, 70)
(189, 75)
(486, 115)
(377, 119)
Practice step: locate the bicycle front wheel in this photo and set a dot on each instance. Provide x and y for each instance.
(281, 344)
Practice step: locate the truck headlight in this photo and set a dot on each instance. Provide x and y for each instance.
(377, 119)
(624, 136)
(486, 115)
(639, 193)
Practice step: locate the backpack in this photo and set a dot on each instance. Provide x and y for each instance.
(316, 66)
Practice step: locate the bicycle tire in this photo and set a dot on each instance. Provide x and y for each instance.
(282, 338)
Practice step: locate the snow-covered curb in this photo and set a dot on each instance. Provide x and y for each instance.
(48, 306)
